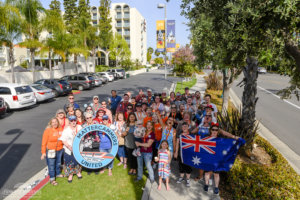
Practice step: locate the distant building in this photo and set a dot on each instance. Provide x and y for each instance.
(129, 23)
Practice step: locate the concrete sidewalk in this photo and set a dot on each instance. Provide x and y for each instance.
(200, 85)
(180, 191)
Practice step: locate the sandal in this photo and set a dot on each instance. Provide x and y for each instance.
(54, 183)
(125, 166)
(60, 176)
(119, 164)
(110, 173)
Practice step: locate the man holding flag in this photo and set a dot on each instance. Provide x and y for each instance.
(210, 153)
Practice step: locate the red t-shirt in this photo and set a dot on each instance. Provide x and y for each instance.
(145, 140)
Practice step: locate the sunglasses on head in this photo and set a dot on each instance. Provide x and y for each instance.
(215, 129)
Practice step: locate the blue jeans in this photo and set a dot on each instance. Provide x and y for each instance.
(111, 164)
(147, 157)
(54, 165)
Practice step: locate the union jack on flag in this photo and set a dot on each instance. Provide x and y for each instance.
(209, 153)
(197, 143)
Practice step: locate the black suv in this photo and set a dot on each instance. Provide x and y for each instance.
(80, 81)
(57, 87)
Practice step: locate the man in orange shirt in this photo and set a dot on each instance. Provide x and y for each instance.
(148, 117)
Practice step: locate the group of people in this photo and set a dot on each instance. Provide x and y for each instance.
(148, 127)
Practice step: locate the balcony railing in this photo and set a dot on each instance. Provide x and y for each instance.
(118, 16)
(128, 41)
(127, 33)
(119, 25)
(126, 16)
(126, 24)
(94, 17)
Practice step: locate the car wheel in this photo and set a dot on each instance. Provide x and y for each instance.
(55, 93)
(80, 87)
(7, 107)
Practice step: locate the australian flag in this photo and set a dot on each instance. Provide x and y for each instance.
(209, 153)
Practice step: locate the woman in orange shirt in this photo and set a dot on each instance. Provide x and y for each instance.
(50, 142)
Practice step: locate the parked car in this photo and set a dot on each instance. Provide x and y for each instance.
(79, 81)
(53, 84)
(17, 95)
(42, 93)
(262, 70)
(118, 73)
(97, 79)
(108, 75)
(67, 86)
(2, 106)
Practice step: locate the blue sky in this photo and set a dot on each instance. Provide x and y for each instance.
(148, 8)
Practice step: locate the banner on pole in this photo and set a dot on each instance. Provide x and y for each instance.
(160, 35)
(171, 40)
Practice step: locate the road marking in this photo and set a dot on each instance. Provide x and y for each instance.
(279, 97)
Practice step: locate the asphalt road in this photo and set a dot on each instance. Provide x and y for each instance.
(281, 117)
(21, 131)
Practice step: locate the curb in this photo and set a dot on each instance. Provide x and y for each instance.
(30, 187)
(292, 158)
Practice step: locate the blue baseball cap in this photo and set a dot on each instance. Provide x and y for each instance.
(105, 117)
(72, 117)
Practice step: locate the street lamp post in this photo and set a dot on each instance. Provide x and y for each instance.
(161, 5)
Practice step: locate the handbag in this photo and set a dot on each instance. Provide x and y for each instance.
(52, 152)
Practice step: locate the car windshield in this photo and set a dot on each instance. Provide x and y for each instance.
(23, 89)
(120, 70)
(40, 87)
(63, 82)
(110, 74)
(91, 78)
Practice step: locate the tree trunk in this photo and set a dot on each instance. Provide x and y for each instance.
(294, 51)
(50, 67)
(86, 65)
(247, 124)
(12, 63)
(106, 59)
(76, 63)
(32, 64)
(64, 68)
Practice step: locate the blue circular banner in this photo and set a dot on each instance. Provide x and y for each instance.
(95, 160)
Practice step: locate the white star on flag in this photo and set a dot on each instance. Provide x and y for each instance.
(196, 160)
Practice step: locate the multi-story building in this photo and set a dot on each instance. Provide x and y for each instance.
(129, 23)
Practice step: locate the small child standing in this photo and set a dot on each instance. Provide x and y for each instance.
(164, 160)
(138, 133)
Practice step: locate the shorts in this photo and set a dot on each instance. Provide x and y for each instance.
(121, 151)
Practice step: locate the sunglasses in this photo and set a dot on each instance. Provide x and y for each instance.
(173, 107)
(88, 109)
(71, 98)
(214, 129)
(74, 120)
(96, 99)
(89, 118)
(208, 115)
(129, 108)
(104, 104)
(105, 119)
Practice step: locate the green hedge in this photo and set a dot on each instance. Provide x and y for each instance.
(255, 181)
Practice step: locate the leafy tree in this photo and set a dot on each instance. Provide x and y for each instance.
(157, 53)
(183, 59)
(105, 28)
(119, 49)
(70, 15)
(30, 11)
(55, 5)
(159, 61)
(237, 34)
(149, 54)
(10, 31)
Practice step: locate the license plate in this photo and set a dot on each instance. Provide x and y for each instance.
(26, 97)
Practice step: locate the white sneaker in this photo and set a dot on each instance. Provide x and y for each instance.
(134, 153)
(179, 180)
(188, 183)
(138, 152)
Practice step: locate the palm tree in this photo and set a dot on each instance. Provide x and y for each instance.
(30, 10)
(10, 31)
(52, 22)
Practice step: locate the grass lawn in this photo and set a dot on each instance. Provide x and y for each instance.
(181, 85)
(119, 186)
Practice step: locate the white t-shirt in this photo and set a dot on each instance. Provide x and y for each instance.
(68, 136)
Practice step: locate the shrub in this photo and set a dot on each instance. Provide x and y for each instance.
(102, 68)
(214, 82)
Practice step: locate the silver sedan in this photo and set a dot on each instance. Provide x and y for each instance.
(42, 93)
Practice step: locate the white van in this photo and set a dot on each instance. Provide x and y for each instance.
(17, 95)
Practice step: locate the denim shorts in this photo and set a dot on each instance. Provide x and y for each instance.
(121, 151)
